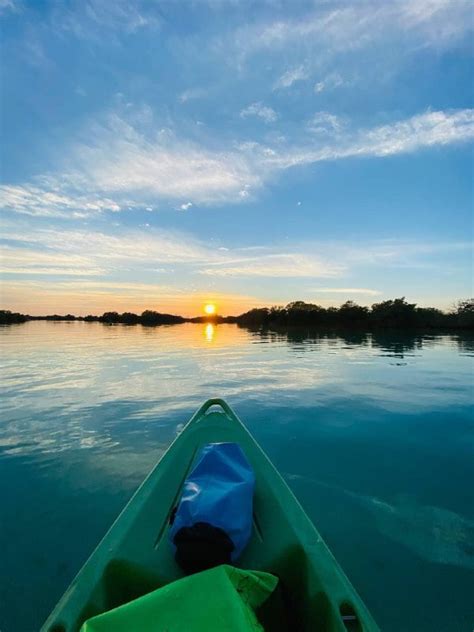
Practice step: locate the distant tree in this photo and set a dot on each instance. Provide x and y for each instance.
(350, 312)
(276, 312)
(464, 313)
(394, 313)
(302, 306)
(465, 306)
(430, 317)
(254, 317)
(391, 313)
(301, 313)
(151, 318)
(110, 317)
(128, 318)
(7, 317)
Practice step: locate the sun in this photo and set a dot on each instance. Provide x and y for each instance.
(210, 309)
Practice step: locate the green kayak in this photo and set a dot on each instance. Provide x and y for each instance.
(135, 556)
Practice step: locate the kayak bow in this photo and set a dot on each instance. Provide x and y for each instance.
(135, 556)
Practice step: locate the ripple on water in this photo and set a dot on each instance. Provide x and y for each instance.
(376, 429)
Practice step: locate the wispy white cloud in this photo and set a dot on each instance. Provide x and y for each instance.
(395, 253)
(120, 159)
(8, 5)
(54, 251)
(286, 265)
(49, 272)
(330, 82)
(28, 260)
(186, 206)
(329, 260)
(289, 77)
(88, 270)
(34, 53)
(89, 19)
(48, 199)
(418, 132)
(346, 290)
(97, 253)
(421, 130)
(191, 94)
(93, 288)
(325, 122)
(258, 109)
(352, 26)
(117, 167)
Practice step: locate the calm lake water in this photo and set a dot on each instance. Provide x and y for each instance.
(374, 434)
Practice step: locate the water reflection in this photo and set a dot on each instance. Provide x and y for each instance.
(465, 342)
(209, 332)
(399, 344)
(394, 343)
(87, 408)
(71, 384)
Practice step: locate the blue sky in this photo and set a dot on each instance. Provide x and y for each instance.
(164, 154)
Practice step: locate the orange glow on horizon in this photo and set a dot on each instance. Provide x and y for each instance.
(96, 297)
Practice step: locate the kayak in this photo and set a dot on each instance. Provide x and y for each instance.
(135, 556)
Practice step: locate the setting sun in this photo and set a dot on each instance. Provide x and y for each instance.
(210, 309)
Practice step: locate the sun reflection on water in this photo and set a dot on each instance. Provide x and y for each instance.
(209, 332)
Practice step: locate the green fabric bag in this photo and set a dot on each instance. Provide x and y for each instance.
(221, 599)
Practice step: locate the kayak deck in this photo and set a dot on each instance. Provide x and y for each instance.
(135, 556)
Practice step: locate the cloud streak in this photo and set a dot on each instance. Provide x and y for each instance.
(125, 162)
(191, 94)
(8, 5)
(97, 253)
(258, 109)
(26, 261)
(142, 251)
(346, 290)
(291, 76)
(330, 82)
(111, 250)
(276, 265)
(325, 123)
(349, 27)
(416, 133)
(87, 20)
(121, 168)
(90, 271)
(48, 199)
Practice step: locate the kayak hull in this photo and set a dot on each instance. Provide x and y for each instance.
(135, 555)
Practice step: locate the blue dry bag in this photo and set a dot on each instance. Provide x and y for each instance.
(213, 520)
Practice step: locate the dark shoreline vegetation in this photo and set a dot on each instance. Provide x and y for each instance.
(396, 313)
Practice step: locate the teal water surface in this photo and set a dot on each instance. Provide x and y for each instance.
(374, 434)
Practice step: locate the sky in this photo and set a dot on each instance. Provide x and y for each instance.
(161, 155)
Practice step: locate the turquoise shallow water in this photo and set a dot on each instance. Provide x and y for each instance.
(373, 433)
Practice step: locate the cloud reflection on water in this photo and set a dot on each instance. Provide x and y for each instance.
(69, 385)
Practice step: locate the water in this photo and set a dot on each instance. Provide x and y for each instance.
(373, 433)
